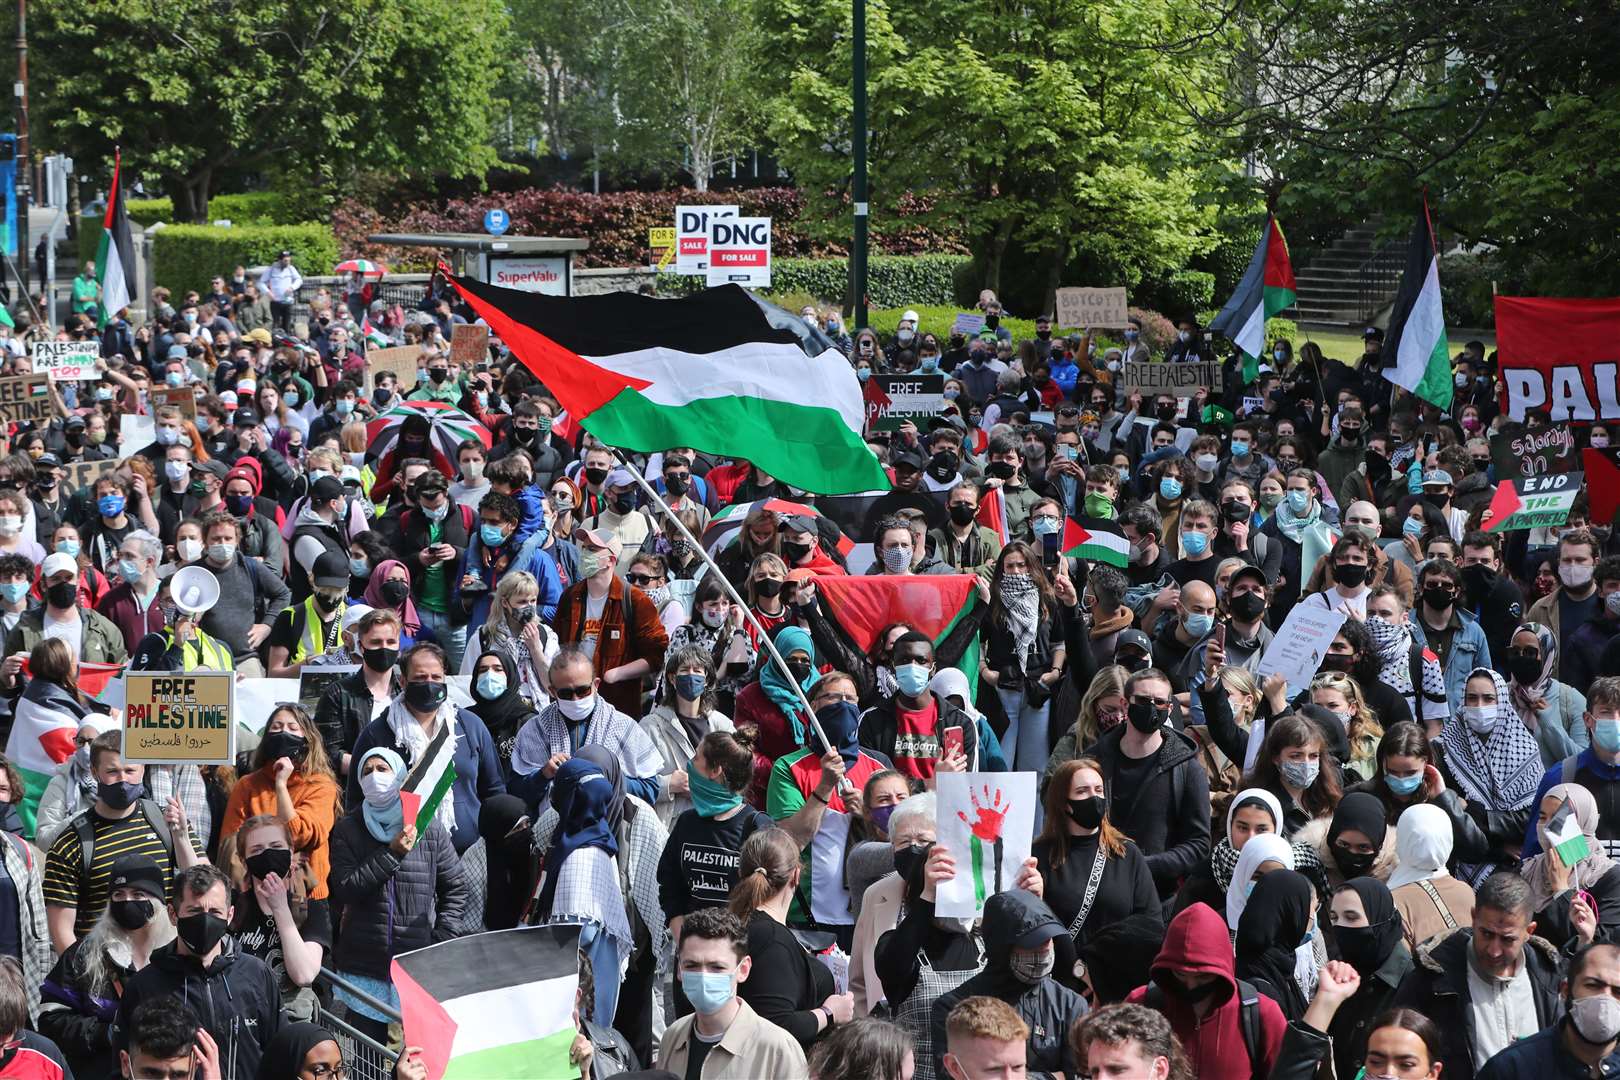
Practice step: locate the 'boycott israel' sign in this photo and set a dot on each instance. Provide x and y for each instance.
(692, 236)
(740, 251)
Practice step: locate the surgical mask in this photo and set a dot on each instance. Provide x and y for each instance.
(1412, 526)
(175, 378)
(1600, 441)
(10, 524)
(129, 569)
(1298, 501)
(378, 788)
(689, 687)
(577, 710)
(493, 536)
(1279, 355)
(1596, 1019)
(1403, 785)
(912, 678)
(1240, 448)
(1573, 576)
(1206, 462)
(491, 685)
(1169, 488)
(14, 591)
(1124, 475)
(176, 471)
(168, 436)
(343, 407)
(1045, 526)
(1199, 624)
(358, 568)
(708, 991)
(220, 554)
(1194, 543)
(1606, 733)
(896, 559)
(436, 513)
(1031, 967)
(1300, 774)
(1481, 718)
(68, 547)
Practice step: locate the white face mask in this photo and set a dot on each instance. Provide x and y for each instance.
(10, 524)
(577, 710)
(378, 788)
(189, 550)
(1481, 718)
(1573, 576)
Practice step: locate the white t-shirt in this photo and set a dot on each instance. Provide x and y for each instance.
(70, 631)
(594, 606)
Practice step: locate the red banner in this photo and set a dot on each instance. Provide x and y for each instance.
(1559, 357)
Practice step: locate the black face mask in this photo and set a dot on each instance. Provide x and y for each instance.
(523, 436)
(1349, 575)
(1358, 945)
(768, 587)
(908, 861)
(1439, 597)
(1145, 717)
(1479, 580)
(1233, 510)
(1190, 994)
(1247, 606)
(1088, 813)
(596, 476)
(131, 914)
(438, 375)
(285, 744)
(1166, 413)
(1524, 669)
(677, 485)
(380, 660)
(801, 670)
(121, 795)
(622, 504)
(794, 552)
(943, 465)
(1352, 865)
(963, 514)
(1132, 663)
(1336, 661)
(1001, 470)
(426, 696)
(201, 931)
(393, 593)
(63, 595)
(277, 861)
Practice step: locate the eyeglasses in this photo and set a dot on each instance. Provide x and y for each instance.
(571, 693)
(324, 1071)
(642, 580)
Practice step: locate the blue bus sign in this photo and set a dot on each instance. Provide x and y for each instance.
(496, 222)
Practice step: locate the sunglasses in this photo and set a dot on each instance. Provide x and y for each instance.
(643, 580)
(571, 693)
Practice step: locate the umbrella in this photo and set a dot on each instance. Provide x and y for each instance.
(360, 266)
(448, 427)
(726, 526)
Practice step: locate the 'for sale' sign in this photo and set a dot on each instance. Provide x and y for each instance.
(740, 252)
(692, 235)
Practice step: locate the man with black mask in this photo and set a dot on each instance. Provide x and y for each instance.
(1492, 596)
(944, 468)
(348, 704)
(1161, 791)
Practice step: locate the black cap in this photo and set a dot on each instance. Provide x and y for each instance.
(910, 458)
(1134, 639)
(331, 568)
(138, 872)
(47, 460)
(1374, 333)
(325, 490)
(285, 254)
(245, 418)
(213, 467)
(1246, 570)
(74, 422)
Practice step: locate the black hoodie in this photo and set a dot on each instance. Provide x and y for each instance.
(237, 999)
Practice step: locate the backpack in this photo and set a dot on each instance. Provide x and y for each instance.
(1248, 1019)
(87, 834)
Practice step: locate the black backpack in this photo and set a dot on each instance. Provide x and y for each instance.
(1248, 1019)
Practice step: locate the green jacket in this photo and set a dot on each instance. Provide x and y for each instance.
(103, 642)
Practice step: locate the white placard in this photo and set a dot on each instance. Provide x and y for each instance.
(987, 823)
(256, 699)
(1296, 651)
(692, 236)
(740, 252)
(135, 433)
(67, 361)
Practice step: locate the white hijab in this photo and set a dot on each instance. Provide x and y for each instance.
(1422, 845)
(1264, 796)
(1267, 847)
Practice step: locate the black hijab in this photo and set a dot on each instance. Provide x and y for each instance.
(1366, 948)
(503, 715)
(1272, 927)
(618, 810)
(1360, 812)
(284, 1054)
(510, 867)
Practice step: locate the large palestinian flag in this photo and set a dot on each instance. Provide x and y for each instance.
(1417, 325)
(1266, 289)
(708, 371)
(41, 739)
(930, 603)
(115, 257)
(492, 1006)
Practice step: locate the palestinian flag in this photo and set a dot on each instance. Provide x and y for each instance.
(1602, 467)
(1096, 539)
(707, 371)
(1565, 836)
(115, 257)
(1416, 342)
(429, 779)
(1266, 289)
(41, 739)
(375, 338)
(930, 603)
(492, 1006)
(993, 513)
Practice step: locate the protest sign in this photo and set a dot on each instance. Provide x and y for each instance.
(1517, 450)
(1559, 357)
(401, 360)
(1183, 378)
(692, 236)
(986, 821)
(256, 699)
(313, 681)
(135, 433)
(67, 361)
(891, 400)
(1082, 308)
(1297, 650)
(740, 252)
(469, 345)
(1252, 405)
(967, 324)
(179, 718)
(181, 397)
(25, 397)
(81, 474)
(1532, 502)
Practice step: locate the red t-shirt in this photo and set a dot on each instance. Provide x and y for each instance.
(917, 741)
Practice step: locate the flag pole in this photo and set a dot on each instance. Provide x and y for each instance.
(725, 583)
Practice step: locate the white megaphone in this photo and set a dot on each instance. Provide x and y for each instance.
(194, 590)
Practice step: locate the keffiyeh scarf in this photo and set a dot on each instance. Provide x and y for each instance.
(1501, 771)
(1394, 644)
(1022, 602)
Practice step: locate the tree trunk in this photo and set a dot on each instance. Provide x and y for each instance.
(994, 255)
(190, 197)
(1054, 275)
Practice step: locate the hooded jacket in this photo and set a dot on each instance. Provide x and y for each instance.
(1049, 1008)
(1197, 942)
(1186, 832)
(238, 999)
(1316, 835)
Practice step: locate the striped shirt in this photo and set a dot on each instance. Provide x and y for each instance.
(68, 885)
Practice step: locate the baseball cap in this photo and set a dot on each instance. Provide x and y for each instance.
(799, 523)
(138, 872)
(246, 417)
(1437, 477)
(47, 460)
(177, 352)
(910, 317)
(74, 422)
(227, 398)
(55, 563)
(911, 459)
(213, 467)
(1245, 571)
(353, 614)
(258, 335)
(1134, 639)
(331, 570)
(599, 538)
(350, 475)
(325, 490)
(285, 254)
(1373, 332)
(618, 477)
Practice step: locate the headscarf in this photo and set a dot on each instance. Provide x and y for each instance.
(373, 596)
(604, 759)
(1366, 948)
(385, 818)
(1273, 927)
(1358, 812)
(1537, 869)
(774, 681)
(1531, 699)
(949, 682)
(1503, 772)
(504, 715)
(285, 1052)
(1422, 845)
(1223, 859)
(508, 865)
(581, 794)
(1267, 847)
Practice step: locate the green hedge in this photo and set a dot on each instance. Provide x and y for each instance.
(249, 208)
(896, 281)
(187, 256)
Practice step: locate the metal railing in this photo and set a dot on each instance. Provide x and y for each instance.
(364, 1057)
(1378, 277)
(406, 290)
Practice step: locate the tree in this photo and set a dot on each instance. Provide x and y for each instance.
(198, 93)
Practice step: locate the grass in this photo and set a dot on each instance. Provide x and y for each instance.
(1346, 344)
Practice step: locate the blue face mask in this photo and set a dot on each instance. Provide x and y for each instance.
(491, 685)
(1045, 526)
(68, 547)
(690, 686)
(708, 991)
(358, 567)
(14, 591)
(1298, 501)
(1403, 785)
(1170, 487)
(1199, 625)
(1240, 448)
(129, 570)
(110, 505)
(493, 536)
(1124, 476)
(1194, 543)
(1606, 733)
(913, 679)
(1412, 526)
(344, 406)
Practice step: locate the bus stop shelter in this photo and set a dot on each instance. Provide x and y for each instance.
(541, 264)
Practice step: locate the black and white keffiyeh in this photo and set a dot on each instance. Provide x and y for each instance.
(1022, 602)
(1502, 770)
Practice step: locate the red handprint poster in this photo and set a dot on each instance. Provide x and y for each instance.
(987, 821)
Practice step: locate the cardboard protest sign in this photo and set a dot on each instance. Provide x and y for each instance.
(986, 821)
(891, 400)
(67, 361)
(25, 397)
(1297, 650)
(179, 718)
(1182, 378)
(740, 252)
(81, 474)
(1517, 450)
(1082, 308)
(401, 360)
(469, 344)
(1532, 502)
(181, 397)
(968, 324)
(1557, 356)
(692, 236)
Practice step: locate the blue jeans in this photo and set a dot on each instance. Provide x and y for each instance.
(1024, 744)
(595, 943)
(452, 639)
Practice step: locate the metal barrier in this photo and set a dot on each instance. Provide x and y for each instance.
(406, 290)
(364, 1057)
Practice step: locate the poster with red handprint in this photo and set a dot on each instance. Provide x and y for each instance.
(987, 821)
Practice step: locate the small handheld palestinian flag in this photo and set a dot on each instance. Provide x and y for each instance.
(1565, 836)
(1096, 539)
(429, 779)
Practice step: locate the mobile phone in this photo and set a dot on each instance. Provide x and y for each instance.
(1049, 551)
(952, 739)
(1220, 634)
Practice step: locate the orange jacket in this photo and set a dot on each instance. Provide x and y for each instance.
(645, 640)
(314, 799)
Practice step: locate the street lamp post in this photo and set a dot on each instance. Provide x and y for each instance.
(857, 262)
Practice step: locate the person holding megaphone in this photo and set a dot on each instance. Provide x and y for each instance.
(182, 645)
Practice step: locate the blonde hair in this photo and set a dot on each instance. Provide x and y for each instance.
(499, 629)
(1108, 682)
(764, 562)
(1364, 723)
(1239, 680)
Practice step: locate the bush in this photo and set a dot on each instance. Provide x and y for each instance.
(897, 281)
(248, 208)
(1181, 292)
(1466, 289)
(187, 256)
(1158, 331)
(1281, 330)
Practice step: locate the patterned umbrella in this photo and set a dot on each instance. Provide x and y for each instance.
(448, 427)
(725, 526)
(360, 266)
